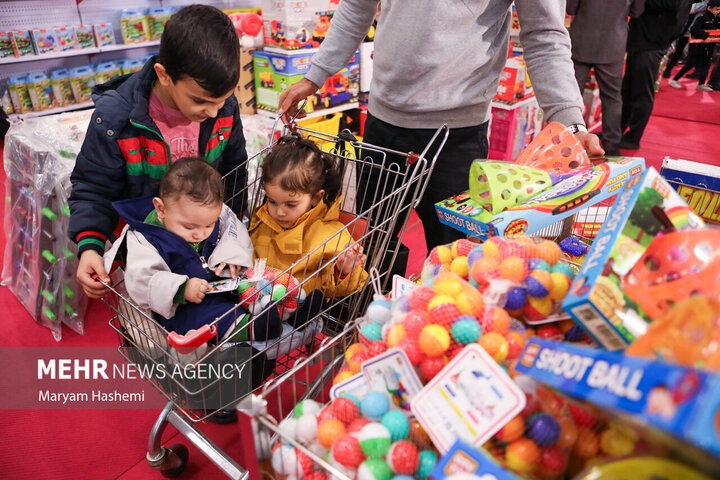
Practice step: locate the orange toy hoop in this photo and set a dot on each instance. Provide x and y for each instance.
(555, 150)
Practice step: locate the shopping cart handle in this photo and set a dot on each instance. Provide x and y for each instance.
(185, 344)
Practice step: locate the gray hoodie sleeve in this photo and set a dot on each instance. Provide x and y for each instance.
(546, 45)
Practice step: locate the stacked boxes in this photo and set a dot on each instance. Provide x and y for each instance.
(513, 126)
(293, 24)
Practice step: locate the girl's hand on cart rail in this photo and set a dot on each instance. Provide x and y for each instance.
(195, 290)
(350, 259)
(234, 269)
(91, 274)
(290, 98)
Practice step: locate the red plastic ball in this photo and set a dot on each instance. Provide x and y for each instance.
(357, 425)
(430, 366)
(444, 314)
(347, 452)
(248, 296)
(376, 348)
(345, 410)
(412, 349)
(402, 458)
(419, 298)
(516, 344)
(550, 331)
(581, 416)
(414, 322)
(553, 462)
(325, 414)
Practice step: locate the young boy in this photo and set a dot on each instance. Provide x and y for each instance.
(700, 54)
(180, 104)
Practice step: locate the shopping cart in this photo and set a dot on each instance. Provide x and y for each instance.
(143, 341)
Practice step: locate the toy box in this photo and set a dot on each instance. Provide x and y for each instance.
(131, 65)
(44, 41)
(22, 43)
(85, 36)
(643, 209)
(104, 34)
(245, 91)
(157, 18)
(17, 87)
(677, 400)
(40, 91)
(592, 109)
(62, 91)
(366, 65)
(82, 81)
(6, 45)
(276, 70)
(104, 71)
(513, 125)
(66, 38)
(293, 24)
(134, 25)
(464, 459)
(698, 184)
(514, 81)
(563, 200)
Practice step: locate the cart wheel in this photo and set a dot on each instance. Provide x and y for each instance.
(176, 452)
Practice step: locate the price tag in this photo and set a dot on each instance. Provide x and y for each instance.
(401, 286)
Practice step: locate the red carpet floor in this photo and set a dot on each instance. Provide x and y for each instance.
(110, 444)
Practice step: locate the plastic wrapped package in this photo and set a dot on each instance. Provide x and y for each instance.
(39, 260)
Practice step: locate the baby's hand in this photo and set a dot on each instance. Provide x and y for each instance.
(349, 259)
(195, 290)
(234, 269)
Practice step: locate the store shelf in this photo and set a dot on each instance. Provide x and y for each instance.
(51, 111)
(77, 52)
(318, 113)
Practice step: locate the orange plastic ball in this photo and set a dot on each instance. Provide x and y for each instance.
(330, 431)
(516, 344)
(485, 267)
(470, 302)
(495, 345)
(568, 432)
(512, 430)
(434, 340)
(513, 269)
(528, 243)
(587, 443)
(550, 401)
(522, 455)
(548, 251)
(495, 320)
(419, 436)
(395, 334)
(352, 350)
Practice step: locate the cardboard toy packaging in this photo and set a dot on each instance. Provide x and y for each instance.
(66, 38)
(698, 184)
(645, 209)
(85, 36)
(44, 40)
(514, 81)
(245, 91)
(6, 45)
(513, 126)
(22, 43)
(293, 24)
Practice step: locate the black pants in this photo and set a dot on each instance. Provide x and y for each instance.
(449, 177)
(676, 56)
(700, 62)
(638, 91)
(609, 78)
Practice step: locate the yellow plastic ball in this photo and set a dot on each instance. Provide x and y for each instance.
(447, 287)
(460, 267)
(560, 286)
(434, 340)
(352, 350)
(490, 250)
(441, 299)
(548, 251)
(470, 302)
(395, 334)
(444, 254)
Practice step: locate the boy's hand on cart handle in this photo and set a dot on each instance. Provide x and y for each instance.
(234, 269)
(590, 142)
(90, 269)
(195, 290)
(290, 98)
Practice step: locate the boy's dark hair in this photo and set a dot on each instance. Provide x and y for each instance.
(713, 3)
(200, 42)
(299, 165)
(195, 178)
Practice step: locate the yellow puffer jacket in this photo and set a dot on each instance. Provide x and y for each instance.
(282, 248)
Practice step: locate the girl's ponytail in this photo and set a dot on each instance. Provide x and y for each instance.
(333, 177)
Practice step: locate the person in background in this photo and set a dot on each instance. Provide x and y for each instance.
(598, 34)
(649, 37)
(682, 41)
(440, 62)
(700, 54)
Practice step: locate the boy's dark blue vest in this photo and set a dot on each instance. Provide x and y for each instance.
(182, 259)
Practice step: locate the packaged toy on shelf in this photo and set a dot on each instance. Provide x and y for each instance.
(22, 43)
(82, 81)
(514, 81)
(6, 45)
(131, 65)
(637, 263)
(44, 40)
(66, 38)
(134, 25)
(104, 34)
(513, 126)
(104, 71)
(85, 36)
(61, 90)
(293, 25)
(40, 91)
(19, 96)
(249, 26)
(157, 18)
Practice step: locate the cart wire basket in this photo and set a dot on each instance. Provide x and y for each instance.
(143, 341)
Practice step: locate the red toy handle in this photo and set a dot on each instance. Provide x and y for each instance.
(187, 343)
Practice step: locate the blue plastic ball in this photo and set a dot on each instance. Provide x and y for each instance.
(371, 331)
(535, 288)
(374, 405)
(465, 329)
(426, 462)
(402, 477)
(575, 334)
(264, 286)
(543, 429)
(515, 298)
(563, 268)
(475, 255)
(397, 423)
(538, 264)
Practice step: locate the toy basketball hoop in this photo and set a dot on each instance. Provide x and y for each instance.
(497, 186)
(555, 150)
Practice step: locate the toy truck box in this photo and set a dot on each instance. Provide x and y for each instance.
(698, 184)
(293, 24)
(681, 401)
(276, 70)
(596, 300)
(566, 198)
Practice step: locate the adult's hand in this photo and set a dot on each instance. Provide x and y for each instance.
(590, 142)
(290, 98)
(90, 268)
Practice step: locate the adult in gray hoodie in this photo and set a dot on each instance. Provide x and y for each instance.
(439, 62)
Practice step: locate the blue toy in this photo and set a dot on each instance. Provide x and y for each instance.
(374, 405)
(397, 424)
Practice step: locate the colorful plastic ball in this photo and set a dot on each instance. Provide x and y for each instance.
(527, 243)
(444, 314)
(466, 330)
(495, 345)
(376, 348)
(426, 462)
(516, 344)
(342, 376)
(587, 443)
(539, 284)
(278, 292)
(402, 477)
(447, 286)
(325, 414)
(352, 350)
(357, 425)
(414, 322)
(484, 268)
(306, 429)
(441, 300)
(512, 430)
(475, 254)
(395, 334)
(548, 251)
(330, 431)
(316, 475)
(513, 269)
(411, 347)
(431, 366)
(491, 249)
(568, 432)
(549, 331)
(402, 458)
(355, 363)
(543, 429)
(537, 309)
(244, 285)
(374, 469)
(418, 435)
(350, 396)
(560, 285)
(553, 462)
(419, 298)
(287, 460)
(496, 320)
(550, 401)
(538, 264)
(460, 267)
(288, 427)
(374, 440)
(434, 340)
(397, 424)
(515, 298)
(461, 248)
(374, 405)
(575, 334)
(564, 268)
(616, 443)
(470, 302)
(582, 417)
(306, 407)
(248, 296)
(378, 311)
(440, 254)
(522, 455)
(371, 331)
(345, 410)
